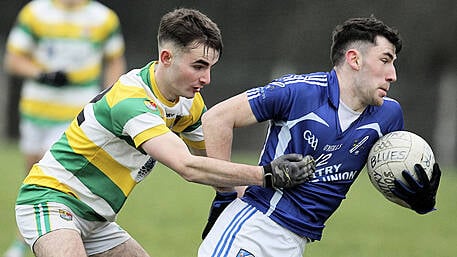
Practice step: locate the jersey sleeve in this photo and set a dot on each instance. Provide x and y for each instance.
(138, 118)
(114, 44)
(395, 113)
(271, 101)
(21, 39)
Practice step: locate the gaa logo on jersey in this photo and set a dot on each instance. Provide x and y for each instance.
(151, 105)
(66, 215)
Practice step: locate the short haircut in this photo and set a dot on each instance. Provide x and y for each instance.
(188, 26)
(360, 29)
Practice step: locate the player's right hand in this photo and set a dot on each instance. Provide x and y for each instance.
(288, 171)
(56, 79)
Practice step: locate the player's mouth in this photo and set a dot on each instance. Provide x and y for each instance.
(383, 91)
(196, 89)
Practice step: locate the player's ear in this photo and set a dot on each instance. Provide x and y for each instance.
(353, 59)
(165, 56)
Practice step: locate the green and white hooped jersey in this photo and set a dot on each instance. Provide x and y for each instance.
(75, 41)
(97, 162)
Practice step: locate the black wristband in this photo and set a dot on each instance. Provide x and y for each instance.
(268, 175)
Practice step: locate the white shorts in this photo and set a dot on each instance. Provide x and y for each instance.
(36, 139)
(243, 231)
(36, 220)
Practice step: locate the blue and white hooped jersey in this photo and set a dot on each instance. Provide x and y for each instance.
(303, 114)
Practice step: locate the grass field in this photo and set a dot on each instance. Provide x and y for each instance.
(166, 215)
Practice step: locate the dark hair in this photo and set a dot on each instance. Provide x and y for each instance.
(361, 29)
(185, 26)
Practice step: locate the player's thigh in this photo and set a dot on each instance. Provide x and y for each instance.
(129, 248)
(37, 139)
(241, 230)
(36, 220)
(31, 138)
(58, 243)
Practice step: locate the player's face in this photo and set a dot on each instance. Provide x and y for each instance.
(72, 3)
(377, 72)
(190, 71)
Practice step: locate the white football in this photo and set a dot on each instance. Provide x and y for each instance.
(393, 153)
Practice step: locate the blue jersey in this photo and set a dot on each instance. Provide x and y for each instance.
(303, 115)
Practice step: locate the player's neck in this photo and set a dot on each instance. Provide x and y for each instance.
(163, 84)
(348, 94)
(351, 101)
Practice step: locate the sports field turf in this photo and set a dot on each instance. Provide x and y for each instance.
(166, 215)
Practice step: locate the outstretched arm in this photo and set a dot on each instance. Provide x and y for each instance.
(170, 150)
(285, 171)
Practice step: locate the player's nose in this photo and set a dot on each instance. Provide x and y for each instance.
(391, 75)
(205, 79)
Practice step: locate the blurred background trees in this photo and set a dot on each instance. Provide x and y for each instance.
(265, 39)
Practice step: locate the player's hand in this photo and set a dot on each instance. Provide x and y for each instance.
(56, 79)
(288, 170)
(419, 194)
(220, 201)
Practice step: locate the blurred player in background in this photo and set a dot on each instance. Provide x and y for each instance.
(61, 49)
(333, 116)
(151, 113)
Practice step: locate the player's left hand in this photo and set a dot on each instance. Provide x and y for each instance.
(288, 170)
(55, 79)
(419, 194)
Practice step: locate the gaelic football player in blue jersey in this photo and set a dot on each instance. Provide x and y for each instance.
(335, 117)
(68, 204)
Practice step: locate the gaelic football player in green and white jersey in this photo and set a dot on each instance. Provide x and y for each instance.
(69, 201)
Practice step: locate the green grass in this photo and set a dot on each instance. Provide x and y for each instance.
(166, 215)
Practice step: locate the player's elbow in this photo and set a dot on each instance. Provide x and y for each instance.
(188, 171)
(189, 177)
(217, 119)
(206, 117)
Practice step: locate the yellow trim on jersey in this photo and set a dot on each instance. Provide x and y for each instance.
(82, 145)
(194, 144)
(150, 133)
(114, 55)
(37, 177)
(86, 74)
(16, 50)
(26, 15)
(156, 90)
(121, 92)
(111, 21)
(66, 29)
(195, 112)
(53, 110)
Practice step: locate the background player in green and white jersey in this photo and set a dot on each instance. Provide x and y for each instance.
(70, 199)
(60, 48)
